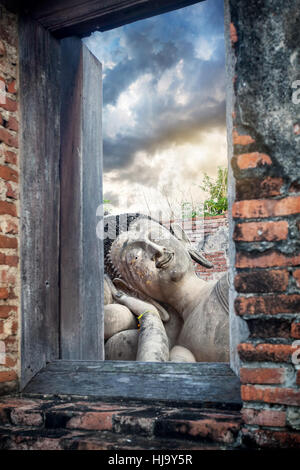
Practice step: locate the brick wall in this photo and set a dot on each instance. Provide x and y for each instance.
(9, 203)
(211, 235)
(266, 217)
(215, 246)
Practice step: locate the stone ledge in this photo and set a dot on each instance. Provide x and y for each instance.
(61, 424)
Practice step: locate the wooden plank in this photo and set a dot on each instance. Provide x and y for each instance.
(82, 259)
(40, 192)
(204, 368)
(173, 386)
(81, 18)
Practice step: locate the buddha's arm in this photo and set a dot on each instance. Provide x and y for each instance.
(153, 343)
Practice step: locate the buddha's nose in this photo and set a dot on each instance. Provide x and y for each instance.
(154, 249)
(158, 251)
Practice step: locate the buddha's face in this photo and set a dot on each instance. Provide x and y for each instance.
(151, 259)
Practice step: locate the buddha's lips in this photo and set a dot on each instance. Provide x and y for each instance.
(163, 262)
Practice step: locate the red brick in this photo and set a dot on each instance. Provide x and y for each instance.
(297, 129)
(261, 231)
(25, 417)
(11, 344)
(14, 327)
(241, 139)
(7, 376)
(8, 174)
(255, 417)
(295, 330)
(253, 160)
(11, 87)
(8, 208)
(9, 361)
(100, 421)
(233, 33)
(260, 208)
(7, 278)
(10, 157)
(262, 375)
(208, 424)
(2, 258)
(4, 293)
(6, 310)
(271, 439)
(12, 294)
(8, 242)
(219, 431)
(266, 352)
(266, 260)
(283, 396)
(258, 188)
(296, 275)
(11, 260)
(262, 281)
(10, 192)
(13, 124)
(9, 105)
(268, 305)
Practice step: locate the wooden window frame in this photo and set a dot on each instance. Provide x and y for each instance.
(61, 257)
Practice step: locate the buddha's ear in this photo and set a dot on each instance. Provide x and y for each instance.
(180, 233)
(196, 255)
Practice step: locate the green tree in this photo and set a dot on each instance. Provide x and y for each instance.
(217, 202)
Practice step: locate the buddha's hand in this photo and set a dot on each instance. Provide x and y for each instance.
(116, 293)
(137, 306)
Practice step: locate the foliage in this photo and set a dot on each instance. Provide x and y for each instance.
(217, 202)
(190, 210)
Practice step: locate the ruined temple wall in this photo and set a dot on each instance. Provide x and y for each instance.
(263, 113)
(211, 235)
(9, 203)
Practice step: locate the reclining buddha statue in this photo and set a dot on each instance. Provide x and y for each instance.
(156, 307)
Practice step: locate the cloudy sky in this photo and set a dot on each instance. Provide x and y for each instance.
(164, 107)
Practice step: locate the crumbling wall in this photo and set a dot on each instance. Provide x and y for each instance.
(9, 203)
(263, 60)
(209, 234)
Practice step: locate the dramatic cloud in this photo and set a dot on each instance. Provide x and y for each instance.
(164, 101)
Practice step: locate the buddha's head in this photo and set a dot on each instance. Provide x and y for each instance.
(152, 260)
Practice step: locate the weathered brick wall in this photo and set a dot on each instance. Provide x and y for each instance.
(215, 246)
(266, 215)
(62, 424)
(9, 203)
(211, 235)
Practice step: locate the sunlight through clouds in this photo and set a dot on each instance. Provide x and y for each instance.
(164, 106)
